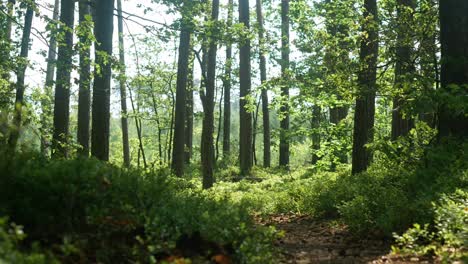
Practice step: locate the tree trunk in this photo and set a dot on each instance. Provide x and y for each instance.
(316, 114)
(227, 89)
(189, 114)
(454, 72)
(103, 31)
(84, 94)
(245, 123)
(264, 95)
(46, 102)
(62, 87)
(19, 101)
(207, 147)
(180, 102)
(403, 68)
(123, 89)
(284, 109)
(365, 102)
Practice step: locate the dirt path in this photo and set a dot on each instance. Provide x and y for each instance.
(310, 241)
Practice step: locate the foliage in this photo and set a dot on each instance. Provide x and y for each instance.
(447, 236)
(84, 205)
(10, 238)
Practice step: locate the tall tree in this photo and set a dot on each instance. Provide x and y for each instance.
(123, 90)
(404, 68)
(245, 123)
(227, 82)
(62, 87)
(264, 94)
(207, 147)
(49, 82)
(285, 50)
(365, 102)
(19, 101)
(189, 113)
(453, 120)
(103, 31)
(84, 93)
(181, 87)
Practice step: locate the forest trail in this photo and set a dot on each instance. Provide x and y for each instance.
(307, 240)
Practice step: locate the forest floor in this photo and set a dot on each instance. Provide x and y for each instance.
(307, 240)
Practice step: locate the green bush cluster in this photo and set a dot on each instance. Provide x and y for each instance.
(10, 238)
(447, 236)
(82, 205)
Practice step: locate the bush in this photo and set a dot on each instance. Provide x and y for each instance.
(84, 205)
(447, 236)
(10, 238)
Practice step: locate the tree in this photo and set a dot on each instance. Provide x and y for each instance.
(365, 102)
(84, 93)
(404, 68)
(19, 101)
(181, 88)
(103, 31)
(123, 92)
(264, 93)
(245, 123)
(189, 113)
(207, 147)
(49, 82)
(284, 140)
(227, 82)
(454, 68)
(62, 86)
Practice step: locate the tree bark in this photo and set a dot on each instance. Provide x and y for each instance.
(365, 103)
(123, 89)
(84, 93)
(264, 93)
(454, 67)
(189, 114)
(46, 102)
(245, 135)
(19, 101)
(103, 31)
(207, 147)
(284, 109)
(62, 86)
(401, 125)
(316, 113)
(180, 102)
(227, 82)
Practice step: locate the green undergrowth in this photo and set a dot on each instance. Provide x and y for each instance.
(85, 211)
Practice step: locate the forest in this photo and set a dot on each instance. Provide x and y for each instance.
(233, 131)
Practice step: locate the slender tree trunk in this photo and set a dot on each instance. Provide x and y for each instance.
(180, 101)
(401, 125)
(46, 102)
(207, 147)
(104, 28)
(158, 124)
(255, 132)
(19, 101)
(227, 89)
(316, 114)
(264, 95)
(453, 120)
(62, 87)
(84, 95)
(189, 114)
(123, 89)
(284, 140)
(365, 102)
(245, 135)
(220, 123)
